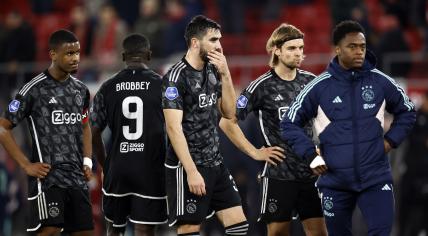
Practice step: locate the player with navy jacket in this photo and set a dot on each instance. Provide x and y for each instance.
(348, 102)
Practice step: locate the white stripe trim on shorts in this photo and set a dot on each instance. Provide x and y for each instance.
(113, 224)
(264, 196)
(171, 167)
(210, 215)
(172, 223)
(132, 194)
(35, 228)
(147, 222)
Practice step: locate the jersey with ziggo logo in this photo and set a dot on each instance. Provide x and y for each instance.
(129, 104)
(55, 112)
(269, 97)
(196, 94)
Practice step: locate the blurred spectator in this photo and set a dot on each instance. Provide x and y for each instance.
(127, 10)
(83, 27)
(178, 14)
(398, 8)
(232, 15)
(359, 14)
(151, 24)
(392, 41)
(19, 45)
(413, 214)
(42, 7)
(341, 10)
(8, 196)
(419, 18)
(110, 31)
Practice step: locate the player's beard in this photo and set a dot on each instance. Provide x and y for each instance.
(203, 54)
(290, 65)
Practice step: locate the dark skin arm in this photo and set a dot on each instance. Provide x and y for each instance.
(87, 149)
(98, 146)
(37, 169)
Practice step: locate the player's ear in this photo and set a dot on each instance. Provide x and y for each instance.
(52, 54)
(194, 43)
(123, 56)
(337, 50)
(277, 51)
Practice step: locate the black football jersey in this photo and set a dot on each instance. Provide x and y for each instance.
(195, 93)
(130, 105)
(269, 97)
(55, 112)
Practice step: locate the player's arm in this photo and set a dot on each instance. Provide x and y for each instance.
(232, 130)
(87, 150)
(38, 170)
(303, 109)
(98, 145)
(226, 103)
(398, 104)
(173, 119)
(98, 119)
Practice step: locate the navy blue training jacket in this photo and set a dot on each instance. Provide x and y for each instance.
(348, 107)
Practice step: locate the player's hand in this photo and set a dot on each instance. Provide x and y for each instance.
(272, 155)
(87, 172)
(196, 183)
(318, 165)
(387, 146)
(219, 61)
(38, 170)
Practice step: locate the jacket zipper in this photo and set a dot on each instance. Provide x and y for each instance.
(355, 129)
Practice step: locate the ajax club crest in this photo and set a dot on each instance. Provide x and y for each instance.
(368, 93)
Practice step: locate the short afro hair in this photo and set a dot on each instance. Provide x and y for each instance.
(61, 36)
(135, 43)
(344, 28)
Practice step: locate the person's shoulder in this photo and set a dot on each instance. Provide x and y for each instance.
(318, 82)
(34, 83)
(306, 74)
(174, 73)
(78, 82)
(154, 75)
(259, 82)
(381, 76)
(111, 80)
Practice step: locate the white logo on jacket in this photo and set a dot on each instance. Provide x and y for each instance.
(368, 93)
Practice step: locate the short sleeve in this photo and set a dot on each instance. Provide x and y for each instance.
(98, 112)
(172, 92)
(249, 101)
(19, 108)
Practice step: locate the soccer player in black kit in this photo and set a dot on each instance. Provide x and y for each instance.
(197, 91)
(130, 104)
(288, 183)
(55, 105)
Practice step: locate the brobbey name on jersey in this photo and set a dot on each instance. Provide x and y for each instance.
(133, 85)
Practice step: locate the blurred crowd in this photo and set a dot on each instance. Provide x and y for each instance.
(394, 27)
